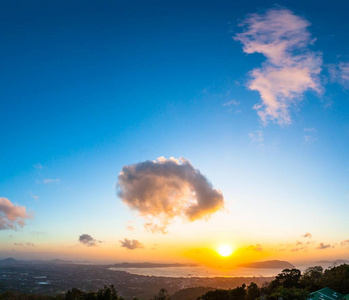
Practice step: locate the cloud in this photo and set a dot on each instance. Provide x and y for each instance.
(257, 247)
(38, 166)
(130, 228)
(290, 68)
(167, 188)
(257, 136)
(131, 244)
(232, 106)
(307, 235)
(51, 180)
(298, 249)
(25, 244)
(11, 215)
(345, 243)
(88, 240)
(323, 246)
(231, 102)
(34, 196)
(340, 73)
(310, 137)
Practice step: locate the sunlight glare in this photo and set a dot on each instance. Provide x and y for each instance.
(225, 250)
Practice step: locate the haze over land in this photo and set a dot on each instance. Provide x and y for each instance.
(209, 134)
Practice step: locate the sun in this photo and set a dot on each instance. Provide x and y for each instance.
(225, 250)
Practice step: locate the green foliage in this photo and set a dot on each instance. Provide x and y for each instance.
(162, 295)
(337, 278)
(288, 294)
(253, 291)
(238, 293)
(106, 293)
(288, 278)
(311, 278)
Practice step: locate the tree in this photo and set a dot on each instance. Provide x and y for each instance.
(288, 294)
(311, 278)
(288, 278)
(162, 295)
(337, 278)
(238, 293)
(253, 291)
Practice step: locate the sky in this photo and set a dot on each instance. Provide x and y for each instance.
(160, 130)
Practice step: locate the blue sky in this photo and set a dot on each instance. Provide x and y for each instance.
(89, 87)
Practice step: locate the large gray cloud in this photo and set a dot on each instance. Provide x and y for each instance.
(290, 69)
(167, 188)
(88, 240)
(11, 215)
(131, 244)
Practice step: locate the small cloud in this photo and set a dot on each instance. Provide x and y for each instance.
(88, 240)
(51, 180)
(37, 232)
(307, 235)
(299, 243)
(165, 189)
(131, 244)
(311, 129)
(323, 246)
(232, 105)
(12, 215)
(257, 247)
(257, 136)
(231, 102)
(130, 228)
(38, 166)
(340, 73)
(155, 228)
(298, 249)
(34, 196)
(290, 69)
(310, 137)
(345, 243)
(24, 244)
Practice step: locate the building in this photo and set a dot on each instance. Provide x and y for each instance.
(327, 294)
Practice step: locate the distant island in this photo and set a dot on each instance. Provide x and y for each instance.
(338, 261)
(151, 265)
(269, 264)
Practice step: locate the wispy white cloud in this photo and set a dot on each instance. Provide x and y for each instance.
(340, 73)
(233, 106)
(38, 166)
(51, 180)
(230, 103)
(310, 135)
(12, 215)
(34, 196)
(257, 136)
(291, 68)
